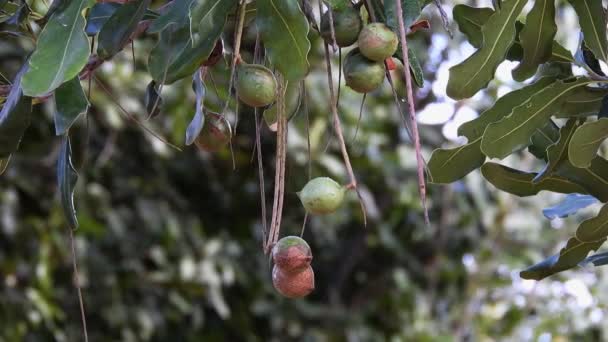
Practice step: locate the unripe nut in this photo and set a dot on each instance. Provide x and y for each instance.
(322, 195)
(377, 42)
(216, 133)
(347, 25)
(361, 74)
(293, 285)
(291, 254)
(256, 85)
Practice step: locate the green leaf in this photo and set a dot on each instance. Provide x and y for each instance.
(595, 229)
(536, 39)
(61, 52)
(543, 138)
(98, 15)
(179, 13)
(586, 142)
(70, 103)
(415, 67)
(470, 20)
(569, 206)
(592, 19)
(411, 12)
(558, 152)
(197, 123)
(117, 31)
(521, 183)
(66, 180)
(594, 178)
(583, 101)
(4, 163)
(284, 31)
(337, 5)
(14, 117)
(513, 132)
(180, 51)
(293, 99)
(468, 77)
(570, 256)
(449, 165)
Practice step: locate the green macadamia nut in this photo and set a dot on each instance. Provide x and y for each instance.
(361, 74)
(256, 85)
(377, 42)
(322, 195)
(347, 25)
(216, 133)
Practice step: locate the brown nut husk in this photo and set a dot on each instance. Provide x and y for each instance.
(377, 42)
(216, 133)
(291, 254)
(293, 285)
(256, 85)
(361, 74)
(347, 25)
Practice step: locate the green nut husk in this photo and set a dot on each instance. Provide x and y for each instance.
(377, 42)
(347, 25)
(256, 85)
(361, 74)
(216, 133)
(322, 195)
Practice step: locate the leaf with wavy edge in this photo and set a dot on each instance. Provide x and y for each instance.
(498, 33)
(558, 152)
(592, 19)
(582, 102)
(586, 141)
(70, 103)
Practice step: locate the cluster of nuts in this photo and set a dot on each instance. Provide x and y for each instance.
(364, 68)
(292, 274)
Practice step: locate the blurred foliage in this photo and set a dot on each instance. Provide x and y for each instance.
(169, 245)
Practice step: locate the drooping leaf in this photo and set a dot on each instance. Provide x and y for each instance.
(14, 116)
(197, 123)
(569, 206)
(415, 67)
(498, 33)
(592, 19)
(180, 51)
(536, 39)
(594, 229)
(66, 180)
(4, 163)
(599, 259)
(118, 29)
(513, 132)
(449, 165)
(98, 15)
(179, 13)
(152, 100)
(61, 52)
(586, 141)
(558, 152)
(570, 256)
(582, 102)
(70, 103)
(411, 12)
(284, 30)
(470, 20)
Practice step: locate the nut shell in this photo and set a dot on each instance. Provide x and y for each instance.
(293, 285)
(291, 254)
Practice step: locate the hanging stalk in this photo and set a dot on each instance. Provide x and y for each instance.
(412, 111)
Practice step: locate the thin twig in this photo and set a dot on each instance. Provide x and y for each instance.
(132, 117)
(412, 111)
(360, 116)
(338, 129)
(83, 317)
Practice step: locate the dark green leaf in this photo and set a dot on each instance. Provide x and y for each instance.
(513, 132)
(98, 15)
(449, 165)
(586, 141)
(284, 30)
(66, 180)
(594, 229)
(178, 14)
(152, 100)
(411, 12)
(521, 183)
(592, 19)
(543, 138)
(337, 5)
(118, 29)
(570, 256)
(61, 52)
(594, 178)
(583, 101)
(14, 117)
(70, 103)
(498, 33)
(180, 51)
(415, 67)
(558, 152)
(569, 206)
(197, 123)
(536, 38)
